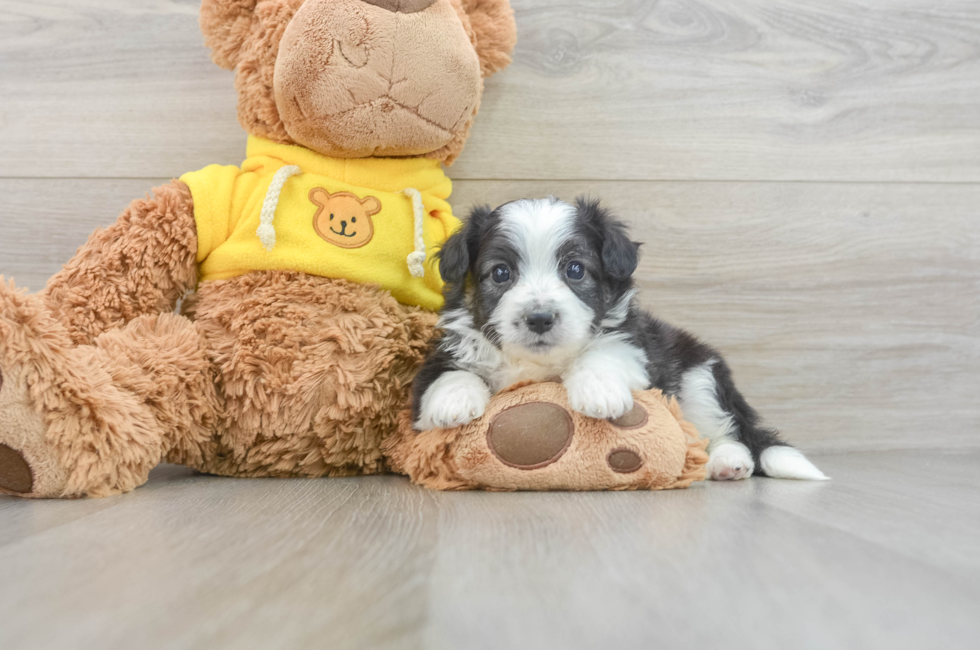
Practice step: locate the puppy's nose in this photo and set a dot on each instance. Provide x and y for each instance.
(540, 321)
(402, 6)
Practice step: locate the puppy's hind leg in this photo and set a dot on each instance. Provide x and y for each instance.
(740, 446)
(729, 459)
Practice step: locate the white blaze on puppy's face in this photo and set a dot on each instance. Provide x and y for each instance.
(536, 230)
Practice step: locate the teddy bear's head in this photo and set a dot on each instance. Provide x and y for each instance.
(360, 78)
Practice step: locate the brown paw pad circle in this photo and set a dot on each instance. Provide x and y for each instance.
(624, 461)
(530, 436)
(634, 419)
(15, 473)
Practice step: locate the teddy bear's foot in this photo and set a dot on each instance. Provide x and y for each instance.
(29, 465)
(30, 342)
(92, 420)
(531, 438)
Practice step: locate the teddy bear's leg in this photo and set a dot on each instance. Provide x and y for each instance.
(142, 264)
(92, 420)
(313, 372)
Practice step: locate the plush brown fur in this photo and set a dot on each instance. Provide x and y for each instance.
(671, 452)
(493, 32)
(100, 416)
(357, 101)
(280, 374)
(332, 75)
(313, 372)
(266, 374)
(142, 264)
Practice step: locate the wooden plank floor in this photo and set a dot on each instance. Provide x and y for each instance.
(882, 556)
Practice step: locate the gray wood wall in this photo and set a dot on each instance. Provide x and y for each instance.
(805, 174)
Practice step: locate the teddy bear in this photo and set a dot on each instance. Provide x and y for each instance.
(306, 275)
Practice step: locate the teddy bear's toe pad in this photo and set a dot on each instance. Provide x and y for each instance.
(624, 461)
(530, 436)
(15, 473)
(634, 419)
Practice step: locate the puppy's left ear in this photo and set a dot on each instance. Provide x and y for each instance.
(620, 254)
(454, 258)
(460, 249)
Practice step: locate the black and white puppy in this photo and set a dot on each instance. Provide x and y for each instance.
(542, 290)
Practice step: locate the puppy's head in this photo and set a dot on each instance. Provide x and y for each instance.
(540, 275)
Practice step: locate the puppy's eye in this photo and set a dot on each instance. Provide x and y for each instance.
(500, 274)
(575, 271)
(353, 219)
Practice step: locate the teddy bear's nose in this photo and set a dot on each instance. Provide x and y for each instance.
(403, 6)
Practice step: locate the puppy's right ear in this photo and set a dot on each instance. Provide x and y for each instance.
(458, 251)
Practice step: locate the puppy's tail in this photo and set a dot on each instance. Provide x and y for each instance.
(783, 461)
(772, 456)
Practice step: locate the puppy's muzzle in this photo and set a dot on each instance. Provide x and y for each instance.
(540, 322)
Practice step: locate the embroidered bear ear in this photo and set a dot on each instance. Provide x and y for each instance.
(319, 197)
(494, 32)
(372, 206)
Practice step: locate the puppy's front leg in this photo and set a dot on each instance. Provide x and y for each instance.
(600, 382)
(455, 398)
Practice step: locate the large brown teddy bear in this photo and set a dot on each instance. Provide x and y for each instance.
(312, 262)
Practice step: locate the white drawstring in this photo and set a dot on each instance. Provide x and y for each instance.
(416, 259)
(266, 231)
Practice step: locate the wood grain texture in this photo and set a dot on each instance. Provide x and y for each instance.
(190, 561)
(849, 312)
(844, 90)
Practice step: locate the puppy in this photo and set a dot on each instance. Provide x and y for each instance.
(542, 290)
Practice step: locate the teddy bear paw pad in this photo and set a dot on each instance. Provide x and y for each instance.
(15, 473)
(632, 419)
(624, 461)
(531, 435)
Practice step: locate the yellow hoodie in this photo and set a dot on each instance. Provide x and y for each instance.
(372, 220)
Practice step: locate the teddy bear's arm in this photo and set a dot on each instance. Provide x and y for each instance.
(142, 264)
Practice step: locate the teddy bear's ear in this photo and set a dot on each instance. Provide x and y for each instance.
(494, 32)
(226, 25)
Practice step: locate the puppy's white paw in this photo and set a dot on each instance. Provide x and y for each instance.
(456, 398)
(729, 461)
(598, 395)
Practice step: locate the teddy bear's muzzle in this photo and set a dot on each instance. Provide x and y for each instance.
(402, 6)
(360, 78)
